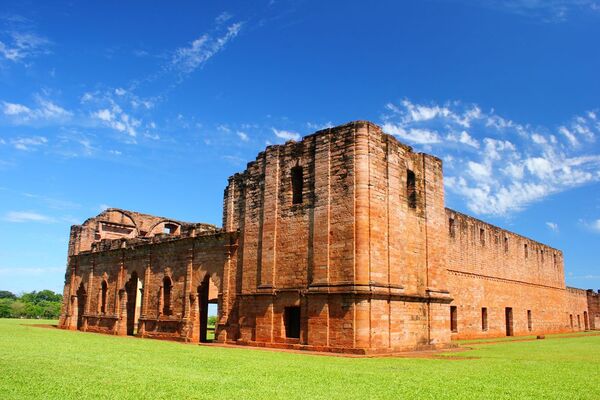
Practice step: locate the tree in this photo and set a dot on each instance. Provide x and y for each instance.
(42, 304)
(6, 307)
(18, 309)
(5, 294)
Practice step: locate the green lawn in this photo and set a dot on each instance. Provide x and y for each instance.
(50, 363)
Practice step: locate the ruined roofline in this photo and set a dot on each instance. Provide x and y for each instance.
(107, 245)
(131, 214)
(352, 124)
(504, 230)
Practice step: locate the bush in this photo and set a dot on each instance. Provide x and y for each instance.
(43, 304)
(212, 320)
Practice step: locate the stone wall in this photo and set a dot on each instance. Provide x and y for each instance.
(491, 268)
(593, 309)
(366, 269)
(102, 282)
(339, 242)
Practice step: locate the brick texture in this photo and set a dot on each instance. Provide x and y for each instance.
(340, 242)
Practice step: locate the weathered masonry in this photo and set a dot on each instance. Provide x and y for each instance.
(340, 242)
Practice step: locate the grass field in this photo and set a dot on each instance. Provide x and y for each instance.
(44, 363)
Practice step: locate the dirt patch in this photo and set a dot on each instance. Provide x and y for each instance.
(47, 326)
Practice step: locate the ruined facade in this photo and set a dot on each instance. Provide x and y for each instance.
(339, 242)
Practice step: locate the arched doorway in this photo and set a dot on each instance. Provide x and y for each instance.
(133, 287)
(81, 298)
(208, 294)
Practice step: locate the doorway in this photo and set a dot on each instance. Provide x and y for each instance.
(133, 287)
(509, 321)
(81, 298)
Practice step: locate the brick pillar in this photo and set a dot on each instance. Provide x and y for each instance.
(74, 313)
(319, 270)
(269, 218)
(361, 204)
(187, 331)
(194, 319)
(146, 294)
(121, 326)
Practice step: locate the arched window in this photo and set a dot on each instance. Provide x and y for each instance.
(411, 189)
(103, 297)
(297, 184)
(167, 286)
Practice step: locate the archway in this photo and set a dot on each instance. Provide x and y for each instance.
(81, 298)
(133, 287)
(207, 294)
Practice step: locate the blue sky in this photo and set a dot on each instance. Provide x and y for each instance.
(151, 107)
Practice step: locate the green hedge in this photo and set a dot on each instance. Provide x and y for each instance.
(43, 304)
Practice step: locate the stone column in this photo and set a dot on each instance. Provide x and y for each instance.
(361, 204)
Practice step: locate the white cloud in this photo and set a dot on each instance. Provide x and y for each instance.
(286, 135)
(17, 46)
(45, 111)
(188, 59)
(569, 135)
(517, 164)
(317, 127)
(414, 135)
(243, 136)
(464, 138)
(545, 10)
(28, 143)
(552, 226)
(15, 109)
(27, 216)
(596, 225)
(103, 207)
(223, 17)
(118, 120)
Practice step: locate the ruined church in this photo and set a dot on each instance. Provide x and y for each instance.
(340, 242)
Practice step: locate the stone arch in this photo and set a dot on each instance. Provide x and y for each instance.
(160, 226)
(113, 223)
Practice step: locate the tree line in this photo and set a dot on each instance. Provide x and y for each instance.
(43, 304)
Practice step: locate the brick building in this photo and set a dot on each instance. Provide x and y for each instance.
(339, 242)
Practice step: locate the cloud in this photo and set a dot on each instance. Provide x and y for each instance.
(44, 111)
(243, 136)
(499, 166)
(223, 17)
(286, 135)
(28, 143)
(545, 10)
(317, 127)
(188, 59)
(552, 226)
(18, 45)
(595, 225)
(118, 120)
(413, 135)
(464, 138)
(27, 216)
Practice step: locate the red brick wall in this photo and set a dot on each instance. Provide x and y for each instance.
(593, 309)
(483, 273)
(368, 271)
(360, 263)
